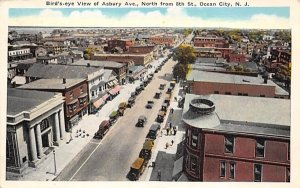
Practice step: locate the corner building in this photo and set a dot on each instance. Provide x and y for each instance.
(234, 138)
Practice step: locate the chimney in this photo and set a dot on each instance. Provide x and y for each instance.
(64, 80)
(88, 65)
(265, 80)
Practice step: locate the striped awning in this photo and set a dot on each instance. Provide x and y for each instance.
(98, 103)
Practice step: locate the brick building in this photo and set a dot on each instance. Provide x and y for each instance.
(235, 138)
(236, 58)
(210, 41)
(166, 40)
(203, 83)
(75, 92)
(124, 44)
(138, 59)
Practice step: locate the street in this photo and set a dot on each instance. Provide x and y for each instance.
(110, 159)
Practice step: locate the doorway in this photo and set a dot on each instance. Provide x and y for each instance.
(45, 140)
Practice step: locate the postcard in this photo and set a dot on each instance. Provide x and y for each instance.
(163, 92)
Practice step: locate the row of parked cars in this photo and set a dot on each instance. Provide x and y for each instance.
(140, 164)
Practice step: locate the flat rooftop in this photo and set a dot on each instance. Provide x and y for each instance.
(19, 100)
(242, 114)
(98, 63)
(56, 84)
(203, 76)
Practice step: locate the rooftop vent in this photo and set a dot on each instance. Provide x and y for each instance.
(202, 106)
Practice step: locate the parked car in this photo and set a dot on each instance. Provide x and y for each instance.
(164, 107)
(113, 117)
(146, 152)
(162, 86)
(167, 100)
(169, 91)
(138, 90)
(137, 169)
(157, 95)
(103, 129)
(149, 104)
(131, 102)
(160, 116)
(122, 108)
(142, 86)
(153, 131)
(141, 121)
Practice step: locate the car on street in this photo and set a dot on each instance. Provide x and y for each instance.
(138, 90)
(164, 107)
(153, 131)
(160, 116)
(113, 117)
(122, 108)
(157, 95)
(103, 129)
(137, 169)
(169, 91)
(162, 86)
(141, 121)
(130, 102)
(146, 151)
(149, 104)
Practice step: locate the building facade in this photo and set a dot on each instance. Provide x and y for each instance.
(252, 146)
(35, 122)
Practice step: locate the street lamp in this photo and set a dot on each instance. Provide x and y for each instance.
(54, 162)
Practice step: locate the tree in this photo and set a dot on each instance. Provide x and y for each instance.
(180, 71)
(185, 54)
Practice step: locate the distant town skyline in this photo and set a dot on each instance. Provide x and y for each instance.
(244, 18)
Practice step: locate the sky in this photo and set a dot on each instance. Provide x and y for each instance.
(250, 17)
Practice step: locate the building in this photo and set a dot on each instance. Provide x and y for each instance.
(75, 92)
(136, 72)
(166, 40)
(236, 138)
(204, 83)
(19, 54)
(124, 44)
(34, 123)
(93, 75)
(236, 58)
(139, 59)
(118, 68)
(210, 41)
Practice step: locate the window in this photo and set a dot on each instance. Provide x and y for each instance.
(93, 93)
(232, 170)
(71, 95)
(288, 151)
(227, 93)
(216, 92)
(194, 140)
(193, 163)
(229, 144)
(262, 96)
(222, 168)
(245, 94)
(24, 159)
(287, 174)
(81, 89)
(260, 147)
(257, 172)
(189, 135)
(240, 94)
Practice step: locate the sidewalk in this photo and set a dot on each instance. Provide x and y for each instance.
(165, 157)
(68, 150)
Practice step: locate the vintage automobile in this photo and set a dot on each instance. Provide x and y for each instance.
(153, 131)
(167, 100)
(169, 90)
(146, 152)
(157, 95)
(137, 169)
(113, 117)
(132, 94)
(122, 108)
(164, 107)
(162, 86)
(142, 86)
(173, 83)
(138, 90)
(160, 116)
(103, 129)
(149, 104)
(141, 121)
(130, 102)
(146, 82)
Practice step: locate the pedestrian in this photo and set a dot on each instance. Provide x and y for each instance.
(161, 133)
(167, 145)
(168, 129)
(175, 98)
(172, 110)
(170, 124)
(159, 175)
(172, 142)
(175, 131)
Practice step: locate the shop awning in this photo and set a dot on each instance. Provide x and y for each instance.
(98, 103)
(105, 97)
(115, 90)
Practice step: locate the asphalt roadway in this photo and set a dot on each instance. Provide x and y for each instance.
(110, 159)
